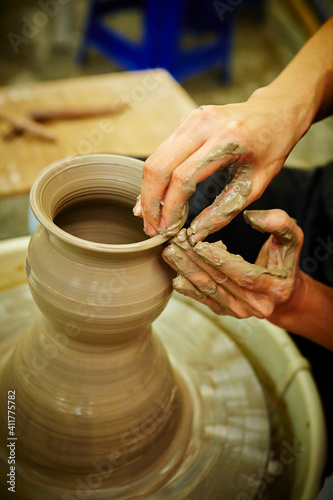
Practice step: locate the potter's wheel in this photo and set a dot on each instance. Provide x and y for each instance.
(228, 451)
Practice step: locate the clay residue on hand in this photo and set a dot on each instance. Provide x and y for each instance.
(286, 238)
(185, 287)
(180, 261)
(217, 254)
(233, 198)
(220, 153)
(258, 223)
(181, 240)
(183, 264)
(290, 244)
(177, 221)
(234, 203)
(189, 186)
(156, 204)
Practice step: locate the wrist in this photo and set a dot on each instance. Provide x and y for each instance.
(293, 113)
(286, 314)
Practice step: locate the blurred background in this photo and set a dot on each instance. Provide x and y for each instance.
(219, 51)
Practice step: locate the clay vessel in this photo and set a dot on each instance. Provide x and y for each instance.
(99, 406)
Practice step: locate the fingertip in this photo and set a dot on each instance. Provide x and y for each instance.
(167, 251)
(149, 229)
(278, 223)
(170, 225)
(137, 210)
(258, 219)
(194, 236)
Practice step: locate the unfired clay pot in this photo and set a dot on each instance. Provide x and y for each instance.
(100, 399)
(100, 412)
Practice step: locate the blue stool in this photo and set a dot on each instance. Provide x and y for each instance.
(164, 23)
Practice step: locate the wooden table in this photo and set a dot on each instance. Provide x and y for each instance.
(156, 104)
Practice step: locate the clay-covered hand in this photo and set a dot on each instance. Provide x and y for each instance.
(230, 285)
(254, 137)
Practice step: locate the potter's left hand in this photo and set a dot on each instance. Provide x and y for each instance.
(227, 283)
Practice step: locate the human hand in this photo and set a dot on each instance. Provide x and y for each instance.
(255, 137)
(227, 283)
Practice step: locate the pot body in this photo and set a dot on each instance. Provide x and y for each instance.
(90, 266)
(100, 398)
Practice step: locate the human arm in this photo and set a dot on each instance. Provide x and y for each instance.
(274, 287)
(309, 312)
(255, 137)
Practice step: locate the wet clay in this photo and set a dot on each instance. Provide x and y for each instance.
(103, 390)
(101, 221)
(216, 381)
(191, 262)
(156, 204)
(217, 253)
(176, 223)
(220, 153)
(232, 202)
(285, 237)
(181, 263)
(256, 219)
(185, 287)
(233, 197)
(98, 398)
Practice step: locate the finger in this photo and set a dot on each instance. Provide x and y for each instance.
(241, 308)
(242, 273)
(283, 248)
(216, 274)
(264, 254)
(183, 265)
(185, 287)
(149, 229)
(234, 198)
(206, 279)
(158, 168)
(196, 168)
(137, 211)
(252, 303)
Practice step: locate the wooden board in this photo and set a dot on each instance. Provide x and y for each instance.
(157, 103)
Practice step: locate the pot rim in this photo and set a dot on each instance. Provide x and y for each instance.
(60, 166)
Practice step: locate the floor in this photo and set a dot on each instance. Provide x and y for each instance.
(261, 50)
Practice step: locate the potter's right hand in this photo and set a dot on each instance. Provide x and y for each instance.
(255, 137)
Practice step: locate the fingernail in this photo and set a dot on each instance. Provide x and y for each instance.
(149, 229)
(137, 210)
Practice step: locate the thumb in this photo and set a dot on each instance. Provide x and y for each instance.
(287, 236)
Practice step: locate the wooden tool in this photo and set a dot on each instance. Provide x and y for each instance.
(156, 104)
(23, 124)
(46, 115)
(30, 124)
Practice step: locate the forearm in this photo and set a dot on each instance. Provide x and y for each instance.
(309, 312)
(304, 89)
